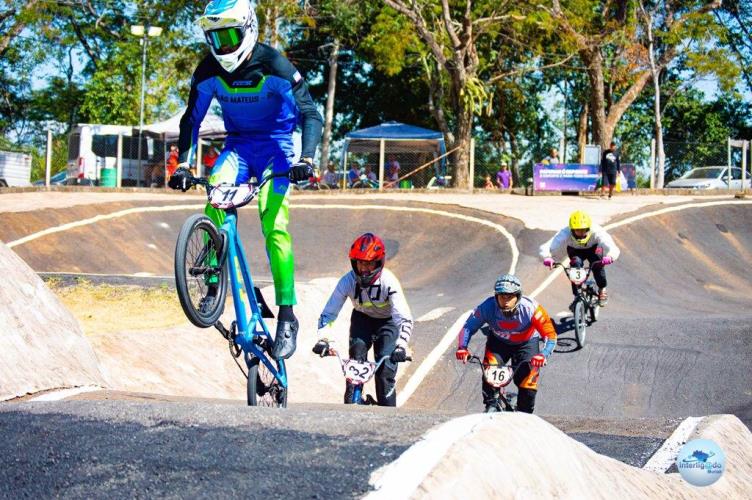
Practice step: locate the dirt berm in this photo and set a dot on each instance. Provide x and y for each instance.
(41, 344)
(515, 455)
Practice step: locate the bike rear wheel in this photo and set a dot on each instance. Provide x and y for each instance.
(580, 322)
(263, 388)
(200, 277)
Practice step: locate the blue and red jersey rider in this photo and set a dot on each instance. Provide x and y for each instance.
(517, 325)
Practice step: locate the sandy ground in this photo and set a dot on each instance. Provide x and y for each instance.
(183, 360)
(164, 360)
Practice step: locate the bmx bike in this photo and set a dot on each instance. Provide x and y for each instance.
(206, 259)
(585, 306)
(356, 372)
(498, 376)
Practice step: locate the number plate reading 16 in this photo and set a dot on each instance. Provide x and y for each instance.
(498, 376)
(358, 372)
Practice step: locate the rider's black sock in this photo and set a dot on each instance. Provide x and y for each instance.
(285, 314)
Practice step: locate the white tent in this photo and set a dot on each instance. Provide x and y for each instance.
(212, 127)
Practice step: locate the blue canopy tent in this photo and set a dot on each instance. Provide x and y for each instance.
(414, 146)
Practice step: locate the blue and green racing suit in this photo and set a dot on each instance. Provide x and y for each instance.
(262, 102)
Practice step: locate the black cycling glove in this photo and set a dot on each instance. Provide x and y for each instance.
(301, 170)
(180, 179)
(398, 355)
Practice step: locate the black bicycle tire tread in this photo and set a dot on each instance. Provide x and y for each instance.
(580, 319)
(251, 386)
(191, 224)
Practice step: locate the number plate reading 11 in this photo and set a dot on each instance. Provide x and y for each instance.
(358, 372)
(498, 376)
(228, 196)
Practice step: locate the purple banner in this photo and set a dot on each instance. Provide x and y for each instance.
(565, 177)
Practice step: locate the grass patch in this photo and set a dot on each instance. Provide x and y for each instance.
(102, 309)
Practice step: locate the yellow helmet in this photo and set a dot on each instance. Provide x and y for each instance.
(580, 220)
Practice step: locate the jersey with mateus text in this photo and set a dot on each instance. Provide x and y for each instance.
(264, 98)
(382, 299)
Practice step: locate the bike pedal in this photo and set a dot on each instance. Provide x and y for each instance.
(225, 333)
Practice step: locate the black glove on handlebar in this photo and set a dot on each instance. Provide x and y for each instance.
(301, 171)
(398, 355)
(321, 348)
(180, 179)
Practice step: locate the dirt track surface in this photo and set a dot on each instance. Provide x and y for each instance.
(674, 340)
(687, 266)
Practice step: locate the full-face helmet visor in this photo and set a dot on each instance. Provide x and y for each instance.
(225, 40)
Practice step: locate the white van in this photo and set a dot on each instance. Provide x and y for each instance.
(15, 168)
(92, 147)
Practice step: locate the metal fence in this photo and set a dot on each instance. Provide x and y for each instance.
(401, 169)
(684, 156)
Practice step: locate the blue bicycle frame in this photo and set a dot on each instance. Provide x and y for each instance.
(243, 293)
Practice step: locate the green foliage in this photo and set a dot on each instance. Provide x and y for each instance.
(389, 42)
(697, 130)
(59, 158)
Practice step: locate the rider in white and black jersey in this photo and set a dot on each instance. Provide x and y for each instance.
(380, 317)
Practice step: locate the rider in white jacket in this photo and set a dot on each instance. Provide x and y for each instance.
(582, 240)
(380, 317)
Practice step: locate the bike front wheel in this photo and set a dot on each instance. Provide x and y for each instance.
(594, 310)
(200, 276)
(580, 322)
(263, 388)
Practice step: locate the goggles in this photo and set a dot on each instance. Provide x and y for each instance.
(225, 40)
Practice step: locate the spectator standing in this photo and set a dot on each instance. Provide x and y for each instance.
(209, 159)
(552, 158)
(488, 182)
(504, 178)
(610, 168)
(172, 160)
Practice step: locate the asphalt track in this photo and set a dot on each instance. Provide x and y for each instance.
(673, 342)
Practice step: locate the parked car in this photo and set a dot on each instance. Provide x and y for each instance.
(715, 177)
(56, 180)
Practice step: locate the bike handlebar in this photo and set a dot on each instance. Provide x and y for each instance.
(476, 360)
(203, 181)
(561, 265)
(331, 351)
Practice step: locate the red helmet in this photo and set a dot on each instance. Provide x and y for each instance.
(368, 247)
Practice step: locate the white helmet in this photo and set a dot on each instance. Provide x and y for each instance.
(231, 29)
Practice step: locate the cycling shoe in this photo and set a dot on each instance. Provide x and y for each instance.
(284, 341)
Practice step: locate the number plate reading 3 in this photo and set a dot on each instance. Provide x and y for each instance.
(228, 196)
(358, 372)
(577, 275)
(498, 376)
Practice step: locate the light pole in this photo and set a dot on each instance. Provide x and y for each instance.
(145, 33)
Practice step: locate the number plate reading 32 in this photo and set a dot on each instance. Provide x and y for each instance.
(498, 376)
(358, 372)
(226, 196)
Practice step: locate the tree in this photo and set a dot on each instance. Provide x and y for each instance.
(338, 24)
(687, 32)
(450, 35)
(697, 130)
(736, 17)
(608, 40)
